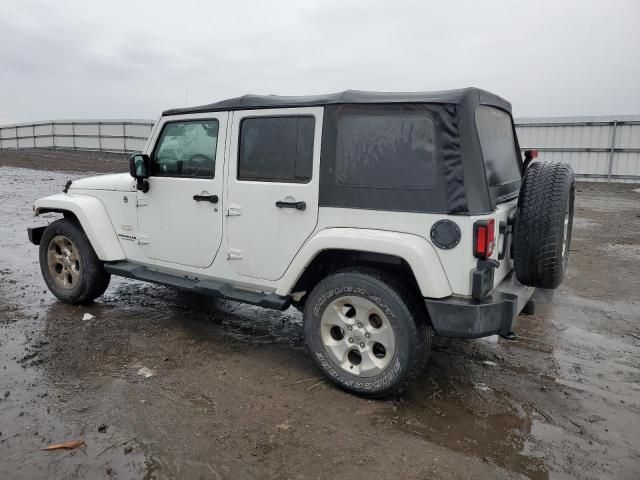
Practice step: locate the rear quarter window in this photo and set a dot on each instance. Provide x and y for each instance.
(386, 150)
(501, 159)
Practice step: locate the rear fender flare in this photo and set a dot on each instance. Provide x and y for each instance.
(415, 250)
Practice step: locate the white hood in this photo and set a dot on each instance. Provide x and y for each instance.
(117, 181)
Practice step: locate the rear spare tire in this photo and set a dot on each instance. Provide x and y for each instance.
(543, 224)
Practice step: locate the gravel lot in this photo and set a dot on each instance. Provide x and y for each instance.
(232, 395)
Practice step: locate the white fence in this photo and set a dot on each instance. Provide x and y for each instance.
(598, 148)
(121, 136)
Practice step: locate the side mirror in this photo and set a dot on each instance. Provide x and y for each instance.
(139, 165)
(139, 169)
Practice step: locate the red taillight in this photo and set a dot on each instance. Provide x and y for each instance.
(484, 238)
(534, 153)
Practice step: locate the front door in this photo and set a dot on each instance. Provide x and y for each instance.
(180, 217)
(272, 189)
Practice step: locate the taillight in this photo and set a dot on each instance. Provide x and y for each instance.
(484, 238)
(533, 153)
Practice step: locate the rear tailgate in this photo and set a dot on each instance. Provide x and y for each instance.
(503, 168)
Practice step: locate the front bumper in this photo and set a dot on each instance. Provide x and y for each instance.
(35, 234)
(464, 317)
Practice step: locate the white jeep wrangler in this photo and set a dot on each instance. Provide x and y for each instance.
(385, 217)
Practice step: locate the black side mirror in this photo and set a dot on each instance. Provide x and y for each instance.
(139, 169)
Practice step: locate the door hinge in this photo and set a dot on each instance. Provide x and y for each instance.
(234, 210)
(234, 254)
(143, 239)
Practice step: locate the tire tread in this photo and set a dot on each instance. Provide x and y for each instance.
(539, 224)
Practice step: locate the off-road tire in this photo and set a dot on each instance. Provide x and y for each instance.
(540, 240)
(93, 278)
(407, 317)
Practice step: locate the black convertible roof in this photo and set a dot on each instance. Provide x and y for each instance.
(250, 102)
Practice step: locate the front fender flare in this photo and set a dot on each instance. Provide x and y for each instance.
(93, 218)
(415, 250)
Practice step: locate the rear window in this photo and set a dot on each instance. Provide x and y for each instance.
(501, 160)
(386, 150)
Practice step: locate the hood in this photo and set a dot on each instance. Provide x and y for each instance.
(117, 181)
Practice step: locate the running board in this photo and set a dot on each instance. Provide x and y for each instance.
(211, 288)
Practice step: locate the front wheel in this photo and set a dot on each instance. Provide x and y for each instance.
(367, 332)
(70, 267)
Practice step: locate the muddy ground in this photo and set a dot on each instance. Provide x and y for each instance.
(65, 160)
(234, 396)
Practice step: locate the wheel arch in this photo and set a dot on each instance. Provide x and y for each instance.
(92, 216)
(337, 248)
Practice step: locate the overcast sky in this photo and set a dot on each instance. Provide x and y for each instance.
(132, 59)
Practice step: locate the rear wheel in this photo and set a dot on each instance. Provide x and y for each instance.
(69, 265)
(366, 332)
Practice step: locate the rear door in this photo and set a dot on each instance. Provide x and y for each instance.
(180, 217)
(272, 191)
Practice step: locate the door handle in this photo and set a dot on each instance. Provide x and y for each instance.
(296, 205)
(206, 198)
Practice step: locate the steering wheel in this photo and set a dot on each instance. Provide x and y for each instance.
(199, 162)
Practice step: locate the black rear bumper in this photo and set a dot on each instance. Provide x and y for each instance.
(464, 317)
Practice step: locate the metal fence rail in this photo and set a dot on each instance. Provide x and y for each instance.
(117, 136)
(598, 148)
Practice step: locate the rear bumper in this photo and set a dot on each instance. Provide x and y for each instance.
(464, 317)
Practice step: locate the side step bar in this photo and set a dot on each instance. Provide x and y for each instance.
(211, 288)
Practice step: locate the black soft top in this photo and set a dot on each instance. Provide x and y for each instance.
(349, 97)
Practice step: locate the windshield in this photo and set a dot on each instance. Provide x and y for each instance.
(501, 159)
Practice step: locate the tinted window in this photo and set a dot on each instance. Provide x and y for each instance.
(390, 150)
(498, 145)
(276, 149)
(186, 149)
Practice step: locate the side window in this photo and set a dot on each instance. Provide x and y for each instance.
(386, 150)
(186, 149)
(276, 149)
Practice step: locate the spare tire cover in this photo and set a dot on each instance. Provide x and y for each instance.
(543, 224)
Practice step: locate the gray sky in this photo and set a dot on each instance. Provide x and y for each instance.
(132, 59)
